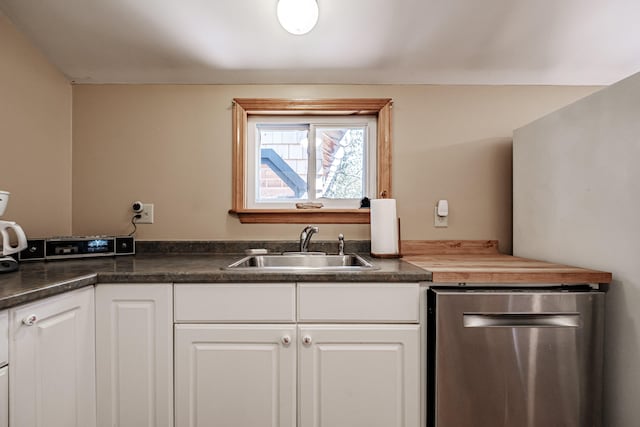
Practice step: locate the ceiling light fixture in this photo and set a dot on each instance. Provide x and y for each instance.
(298, 16)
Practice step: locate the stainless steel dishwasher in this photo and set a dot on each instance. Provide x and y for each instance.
(515, 358)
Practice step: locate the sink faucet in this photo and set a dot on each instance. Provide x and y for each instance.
(305, 237)
(340, 244)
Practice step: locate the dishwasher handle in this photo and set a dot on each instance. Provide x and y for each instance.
(521, 320)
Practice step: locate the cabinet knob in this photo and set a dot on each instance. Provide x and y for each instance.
(306, 340)
(286, 340)
(30, 320)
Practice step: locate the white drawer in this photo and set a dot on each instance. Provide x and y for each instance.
(235, 302)
(358, 302)
(4, 337)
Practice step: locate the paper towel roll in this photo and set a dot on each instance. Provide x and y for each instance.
(384, 227)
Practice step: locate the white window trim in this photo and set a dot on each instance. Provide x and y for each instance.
(252, 159)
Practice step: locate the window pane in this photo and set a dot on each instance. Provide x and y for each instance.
(340, 162)
(283, 163)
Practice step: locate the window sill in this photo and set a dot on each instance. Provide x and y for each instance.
(302, 216)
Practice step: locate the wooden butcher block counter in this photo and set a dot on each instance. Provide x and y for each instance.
(478, 261)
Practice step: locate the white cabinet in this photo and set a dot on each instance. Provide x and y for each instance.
(4, 370)
(363, 373)
(52, 362)
(4, 337)
(352, 360)
(240, 370)
(134, 345)
(235, 375)
(4, 397)
(359, 376)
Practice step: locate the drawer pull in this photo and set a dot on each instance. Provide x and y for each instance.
(30, 320)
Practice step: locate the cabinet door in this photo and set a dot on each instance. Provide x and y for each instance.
(4, 397)
(134, 360)
(4, 337)
(359, 376)
(52, 362)
(235, 375)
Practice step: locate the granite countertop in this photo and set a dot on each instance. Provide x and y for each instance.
(35, 280)
(440, 261)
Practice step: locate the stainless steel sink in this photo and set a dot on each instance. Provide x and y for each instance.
(302, 262)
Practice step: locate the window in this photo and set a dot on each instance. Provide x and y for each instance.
(328, 160)
(333, 152)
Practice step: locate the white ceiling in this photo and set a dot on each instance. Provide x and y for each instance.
(575, 42)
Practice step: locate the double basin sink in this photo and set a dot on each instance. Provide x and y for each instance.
(303, 261)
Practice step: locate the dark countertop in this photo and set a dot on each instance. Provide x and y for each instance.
(35, 280)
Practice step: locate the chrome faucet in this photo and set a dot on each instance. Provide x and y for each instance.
(305, 237)
(340, 244)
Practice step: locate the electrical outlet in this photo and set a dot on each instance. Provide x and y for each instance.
(439, 221)
(146, 215)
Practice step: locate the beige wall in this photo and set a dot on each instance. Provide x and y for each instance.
(171, 145)
(35, 137)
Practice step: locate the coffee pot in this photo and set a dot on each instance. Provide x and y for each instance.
(7, 228)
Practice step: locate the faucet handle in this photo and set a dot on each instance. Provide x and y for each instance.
(340, 244)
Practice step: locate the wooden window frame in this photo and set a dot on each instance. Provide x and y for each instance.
(244, 107)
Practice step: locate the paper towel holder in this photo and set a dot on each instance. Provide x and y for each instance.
(392, 256)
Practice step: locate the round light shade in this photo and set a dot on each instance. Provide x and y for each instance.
(298, 16)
